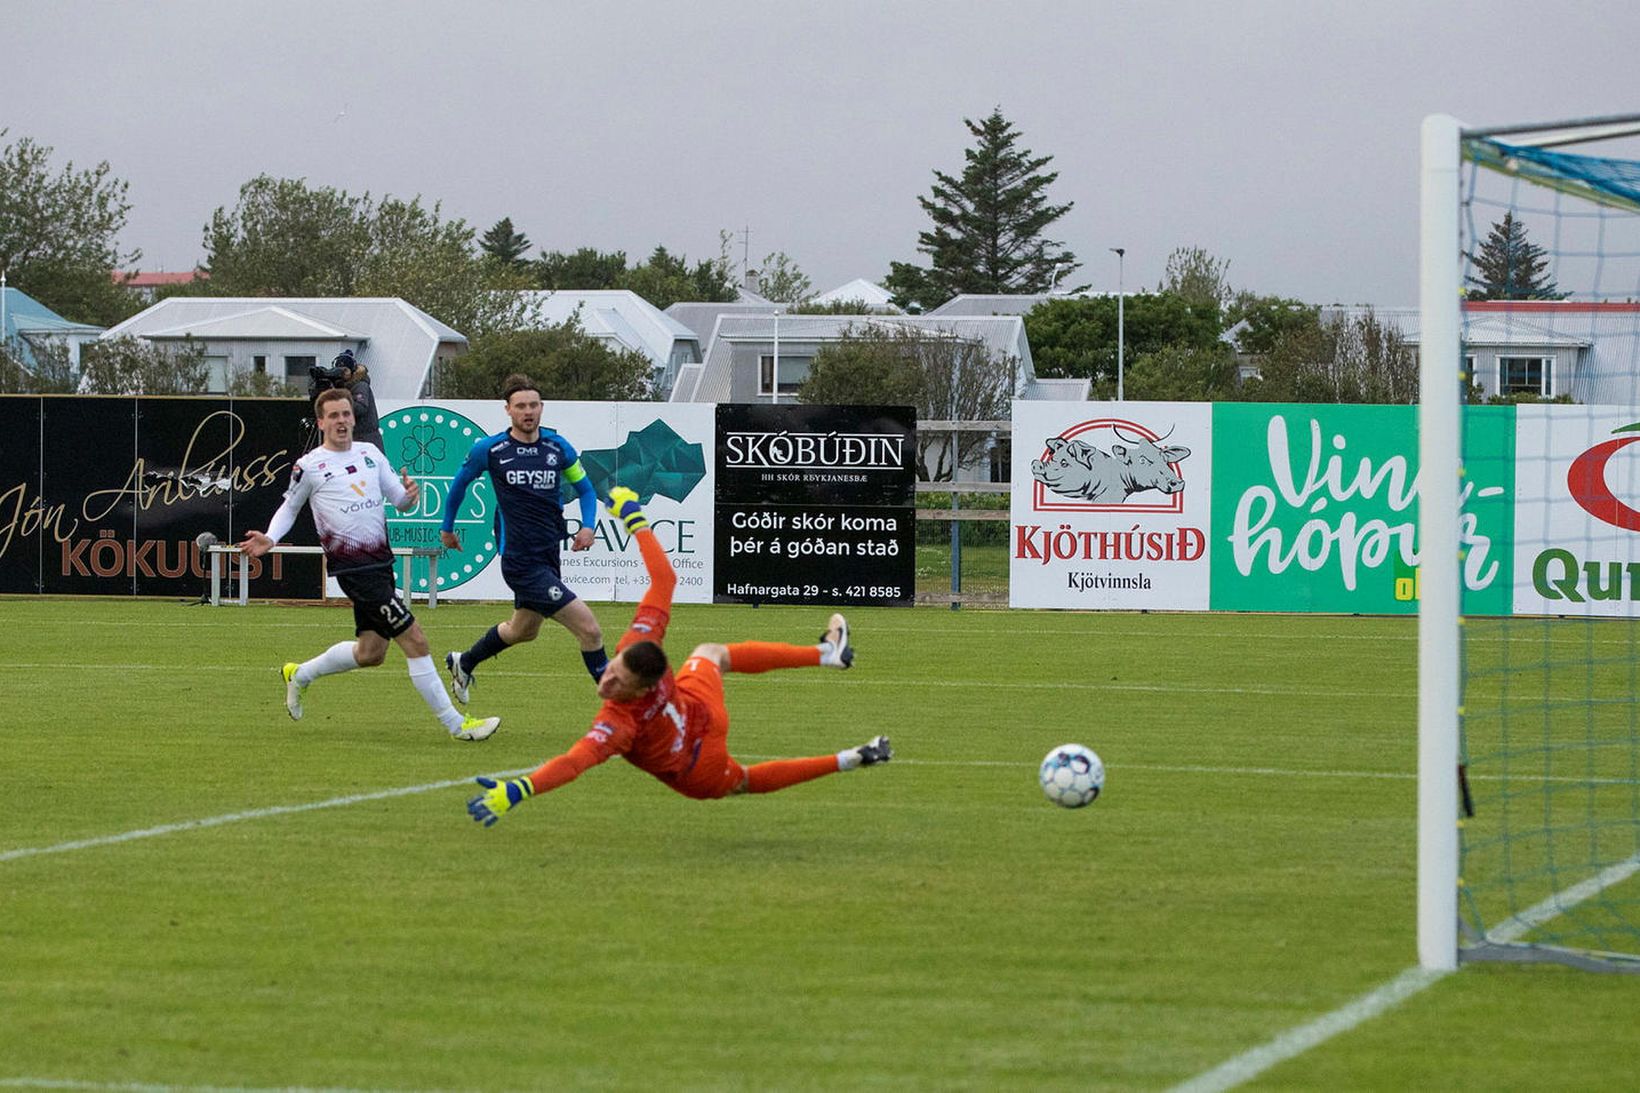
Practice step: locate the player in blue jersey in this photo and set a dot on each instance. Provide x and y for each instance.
(526, 464)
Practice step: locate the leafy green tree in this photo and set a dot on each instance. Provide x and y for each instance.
(1267, 319)
(1197, 276)
(586, 268)
(988, 225)
(567, 362)
(1511, 267)
(782, 281)
(58, 233)
(1340, 359)
(1183, 373)
(285, 238)
(1077, 336)
(49, 373)
(131, 366)
(839, 307)
(505, 245)
(945, 377)
(249, 383)
(664, 279)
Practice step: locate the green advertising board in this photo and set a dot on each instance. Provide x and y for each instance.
(1315, 508)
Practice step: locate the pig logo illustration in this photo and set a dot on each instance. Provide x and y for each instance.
(1076, 469)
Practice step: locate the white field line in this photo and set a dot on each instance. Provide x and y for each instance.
(237, 817)
(407, 791)
(1296, 1041)
(145, 1087)
(1227, 1075)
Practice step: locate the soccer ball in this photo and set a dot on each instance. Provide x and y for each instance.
(1072, 776)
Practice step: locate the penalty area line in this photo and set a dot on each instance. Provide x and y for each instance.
(240, 817)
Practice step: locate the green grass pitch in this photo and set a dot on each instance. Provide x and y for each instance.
(931, 924)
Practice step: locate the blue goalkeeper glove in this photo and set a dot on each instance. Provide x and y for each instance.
(623, 505)
(497, 798)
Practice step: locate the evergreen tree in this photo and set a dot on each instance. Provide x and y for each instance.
(585, 268)
(988, 225)
(1511, 267)
(504, 244)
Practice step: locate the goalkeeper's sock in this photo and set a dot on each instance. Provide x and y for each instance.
(484, 648)
(425, 676)
(780, 773)
(338, 658)
(766, 656)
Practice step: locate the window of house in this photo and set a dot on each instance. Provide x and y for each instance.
(1525, 375)
(259, 365)
(296, 368)
(793, 371)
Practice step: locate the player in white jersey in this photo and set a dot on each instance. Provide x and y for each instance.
(348, 484)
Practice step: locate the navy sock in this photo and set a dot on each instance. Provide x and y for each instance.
(483, 649)
(596, 662)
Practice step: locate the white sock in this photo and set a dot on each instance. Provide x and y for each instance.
(848, 760)
(427, 681)
(338, 658)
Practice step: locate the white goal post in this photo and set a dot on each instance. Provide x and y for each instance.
(1444, 389)
(1440, 367)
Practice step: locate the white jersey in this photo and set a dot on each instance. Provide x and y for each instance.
(348, 493)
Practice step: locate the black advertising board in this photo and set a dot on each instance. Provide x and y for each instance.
(127, 485)
(815, 504)
(23, 515)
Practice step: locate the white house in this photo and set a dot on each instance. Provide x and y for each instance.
(873, 297)
(765, 358)
(1589, 351)
(284, 337)
(622, 319)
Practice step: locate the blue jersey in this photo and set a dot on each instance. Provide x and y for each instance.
(530, 520)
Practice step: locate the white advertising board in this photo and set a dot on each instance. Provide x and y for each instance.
(1110, 505)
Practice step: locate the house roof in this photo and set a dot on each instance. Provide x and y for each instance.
(702, 316)
(25, 316)
(617, 315)
(138, 279)
(980, 303)
(271, 323)
(398, 341)
(866, 292)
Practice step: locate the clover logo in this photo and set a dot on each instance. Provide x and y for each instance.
(421, 450)
(430, 443)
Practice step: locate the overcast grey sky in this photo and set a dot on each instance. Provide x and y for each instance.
(1281, 136)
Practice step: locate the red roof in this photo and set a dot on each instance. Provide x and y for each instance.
(154, 280)
(1543, 306)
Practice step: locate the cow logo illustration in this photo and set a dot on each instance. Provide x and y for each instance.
(1094, 479)
(1586, 479)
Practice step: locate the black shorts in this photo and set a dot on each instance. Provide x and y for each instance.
(537, 588)
(376, 603)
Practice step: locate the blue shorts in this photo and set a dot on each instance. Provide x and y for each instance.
(537, 588)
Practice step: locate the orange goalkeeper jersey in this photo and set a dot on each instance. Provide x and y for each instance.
(652, 731)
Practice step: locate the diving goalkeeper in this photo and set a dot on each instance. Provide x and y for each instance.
(676, 727)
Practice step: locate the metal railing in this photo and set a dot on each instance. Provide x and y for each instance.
(220, 550)
(956, 515)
